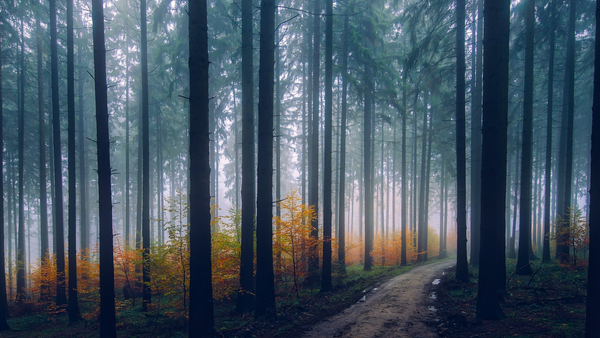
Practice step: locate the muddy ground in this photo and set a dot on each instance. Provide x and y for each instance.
(400, 307)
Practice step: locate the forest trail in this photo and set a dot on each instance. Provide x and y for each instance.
(398, 308)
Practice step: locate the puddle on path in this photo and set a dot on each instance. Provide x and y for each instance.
(436, 282)
(433, 296)
(432, 308)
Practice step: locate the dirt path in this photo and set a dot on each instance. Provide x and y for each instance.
(398, 308)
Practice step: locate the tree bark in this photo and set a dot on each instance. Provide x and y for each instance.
(523, 267)
(201, 320)
(592, 324)
(146, 292)
(3, 301)
(107, 288)
(342, 189)
(265, 284)
(21, 263)
(245, 300)
(492, 267)
(548, 167)
(71, 169)
(328, 138)
(57, 206)
(462, 267)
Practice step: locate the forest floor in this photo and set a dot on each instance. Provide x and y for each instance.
(550, 303)
(294, 315)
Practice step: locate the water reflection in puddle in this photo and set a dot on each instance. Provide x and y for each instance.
(432, 308)
(436, 281)
(433, 296)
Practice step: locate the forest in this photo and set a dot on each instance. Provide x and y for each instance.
(249, 168)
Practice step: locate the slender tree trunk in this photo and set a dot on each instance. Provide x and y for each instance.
(511, 250)
(492, 264)
(442, 194)
(548, 167)
(127, 203)
(462, 267)
(422, 236)
(523, 266)
(107, 288)
(428, 178)
(592, 324)
(83, 217)
(476, 141)
(265, 284)
(3, 301)
(42, 145)
(57, 206)
(368, 179)
(328, 138)
(562, 249)
(313, 193)
(342, 175)
(21, 287)
(146, 292)
(201, 320)
(71, 169)
(245, 301)
(139, 203)
(403, 202)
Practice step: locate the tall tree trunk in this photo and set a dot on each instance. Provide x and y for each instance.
(428, 178)
(511, 250)
(342, 189)
(592, 324)
(42, 146)
(403, 204)
(139, 203)
(548, 166)
(367, 161)
(71, 169)
(127, 204)
(562, 249)
(3, 301)
(476, 141)
(57, 206)
(107, 274)
(422, 236)
(201, 320)
(21, 287)
(245, 300)
(442, 194)
(265, 284)
(328, 138)
(523, 266)
(462, 267)
(313, 193)
(83, 217)
(146, 292)
(492, 264)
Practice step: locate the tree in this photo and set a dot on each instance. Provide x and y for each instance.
(548, 165)
(462, 267)
(265, 283)
(245, 301)
(107, 273)
(367, 160)
(73, 303)
(523, 267)
(476, 140)
(57, 205)
(592, 313)
(146, 292)
(201, 320)
(21, 291)
(403, 203)
(42, 144)
(492, 270)
(313, 160)
(327, 169)
(3, 301)
(342, 191)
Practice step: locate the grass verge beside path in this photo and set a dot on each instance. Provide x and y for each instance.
(550, 303)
